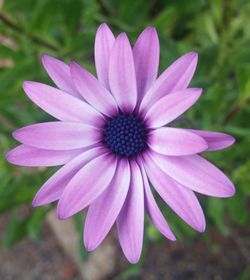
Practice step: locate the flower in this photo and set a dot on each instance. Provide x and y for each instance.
(114, 138)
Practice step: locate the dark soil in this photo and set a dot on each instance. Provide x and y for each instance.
(35, 260)
(222, 259)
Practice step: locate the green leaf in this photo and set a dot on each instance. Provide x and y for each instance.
(243, 78)
(16, 229)
(216, 211)
(238, 209)
(242, 177)
(153, 233)
(35, 222)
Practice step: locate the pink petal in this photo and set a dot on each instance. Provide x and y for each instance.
(55, 185)
(58, 135)
(59, 72)
(29, 156)
(175, 78)
(196, 173)
(103, 212)
(215, 140)
(146, 53)
(86, 185)
(176, 142)
(182, 200)
(104, 41)
(122, 78)
(153, 210)
(130, 222)
(61, 105)
(92, 90)
(171, 106)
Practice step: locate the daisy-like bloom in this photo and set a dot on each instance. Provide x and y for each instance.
(114, 139)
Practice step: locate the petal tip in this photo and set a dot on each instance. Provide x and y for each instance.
(26, 85)
(133, 259)
(228, 191)
(191, 58)
(9, 157)
(35, 202)
(201, 227)
(122, 37)
(60, 213)
(150, 33)
(197, 91)
(15, 134)
(193, 55)
(198, 223)
(19, 134)
(40, 199)
(151, 29)
(61, 217)
(48, 61)
(231, 191)
(45, 57)
(88, 246)
(171, 237)
(231, 140)
(102, 26)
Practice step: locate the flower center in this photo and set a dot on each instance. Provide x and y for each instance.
(125, 135)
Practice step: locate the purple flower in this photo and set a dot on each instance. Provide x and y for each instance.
(114, 138)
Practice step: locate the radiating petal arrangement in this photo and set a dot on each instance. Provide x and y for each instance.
(115, 139)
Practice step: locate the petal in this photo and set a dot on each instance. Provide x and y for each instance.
(61, 105)
(130, 222)
(85, 187)
(146, 53)
(176, 142)
(54, 187)
(92, 91)
(215, 140)
(103, 212)
(182, 200)
(122, 78)
(176, 77)
(29, 156)
(196, 173)
(57, 135)
(59, 72)
(153, 210)
(171, 106)
(104, 41)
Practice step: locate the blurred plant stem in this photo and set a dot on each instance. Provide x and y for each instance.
(234, 111)
(6, 122)
(9, 22)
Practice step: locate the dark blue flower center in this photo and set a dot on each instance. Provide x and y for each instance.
(125, 135)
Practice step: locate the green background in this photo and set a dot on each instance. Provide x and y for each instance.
(218, 30)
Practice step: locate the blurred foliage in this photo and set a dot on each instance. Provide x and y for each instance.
(219, 30)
